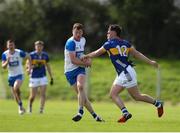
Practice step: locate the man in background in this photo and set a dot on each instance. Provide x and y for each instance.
(38, 79)
(12, 60)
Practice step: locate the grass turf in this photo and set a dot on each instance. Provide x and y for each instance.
(58, 115)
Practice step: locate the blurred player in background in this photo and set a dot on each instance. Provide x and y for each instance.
(75, 70)
(119, 51)
(12, 59)
(38, 78)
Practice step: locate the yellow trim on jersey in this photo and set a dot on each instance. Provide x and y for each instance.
(114, 51)
(127, 51)
(34, 62)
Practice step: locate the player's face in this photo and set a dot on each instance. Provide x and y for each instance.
(77, 34)
(111, 34)
(39, 48)
(11, 45)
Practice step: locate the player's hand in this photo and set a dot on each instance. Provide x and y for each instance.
(155, 64)
(87, 62)
(8, 57)
(52, 81)
(28, 70)
(85, 57)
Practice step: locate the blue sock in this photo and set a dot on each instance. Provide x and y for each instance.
(157, 103)
(20, 104)
(81, 110)
(94, 114)
(124, 111)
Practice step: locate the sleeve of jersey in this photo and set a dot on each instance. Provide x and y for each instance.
(31, 55)
(70, 45)
(129, 46)
(3, 57)
(106, 46)
(22, 54)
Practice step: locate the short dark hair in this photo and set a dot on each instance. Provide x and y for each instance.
(116, 28)
(9, 41)
(78, 26)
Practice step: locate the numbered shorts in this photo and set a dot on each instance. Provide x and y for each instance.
(124, 81)
(37, 82)
(12, 80)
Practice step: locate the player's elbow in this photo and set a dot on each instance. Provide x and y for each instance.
(74, 62)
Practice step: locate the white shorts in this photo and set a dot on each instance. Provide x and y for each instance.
(123, 81)
(37, 82)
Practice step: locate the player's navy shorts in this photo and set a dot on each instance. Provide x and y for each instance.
(12, 80)
(71, 76)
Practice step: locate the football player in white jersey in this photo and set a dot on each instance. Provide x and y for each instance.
(75, 70)
(12, 59)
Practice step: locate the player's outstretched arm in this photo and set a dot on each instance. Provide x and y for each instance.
(96, 53)
(142, 57)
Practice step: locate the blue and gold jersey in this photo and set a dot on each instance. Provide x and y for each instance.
(118, 51)
(38, 64)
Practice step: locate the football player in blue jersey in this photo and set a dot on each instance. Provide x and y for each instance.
(38, 78)
(119, 51)
(12, 59)
(75, 70)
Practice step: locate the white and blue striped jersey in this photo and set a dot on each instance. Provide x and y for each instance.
(73, 46)
(15, 63)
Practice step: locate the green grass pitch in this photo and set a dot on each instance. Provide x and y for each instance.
(58, 115)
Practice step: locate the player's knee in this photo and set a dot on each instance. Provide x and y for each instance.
(16, 89)
(112, 94)
(80, 87)
(32, 97)
(43, 95)
(85, 101)
(17, 84)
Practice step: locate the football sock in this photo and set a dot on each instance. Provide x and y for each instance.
(30, 108)
(157, 103)
(20, 104)
(41, 110)
(80, 111)
(124, 111)
(94, 114)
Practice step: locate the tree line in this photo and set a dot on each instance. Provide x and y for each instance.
(151, 26)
